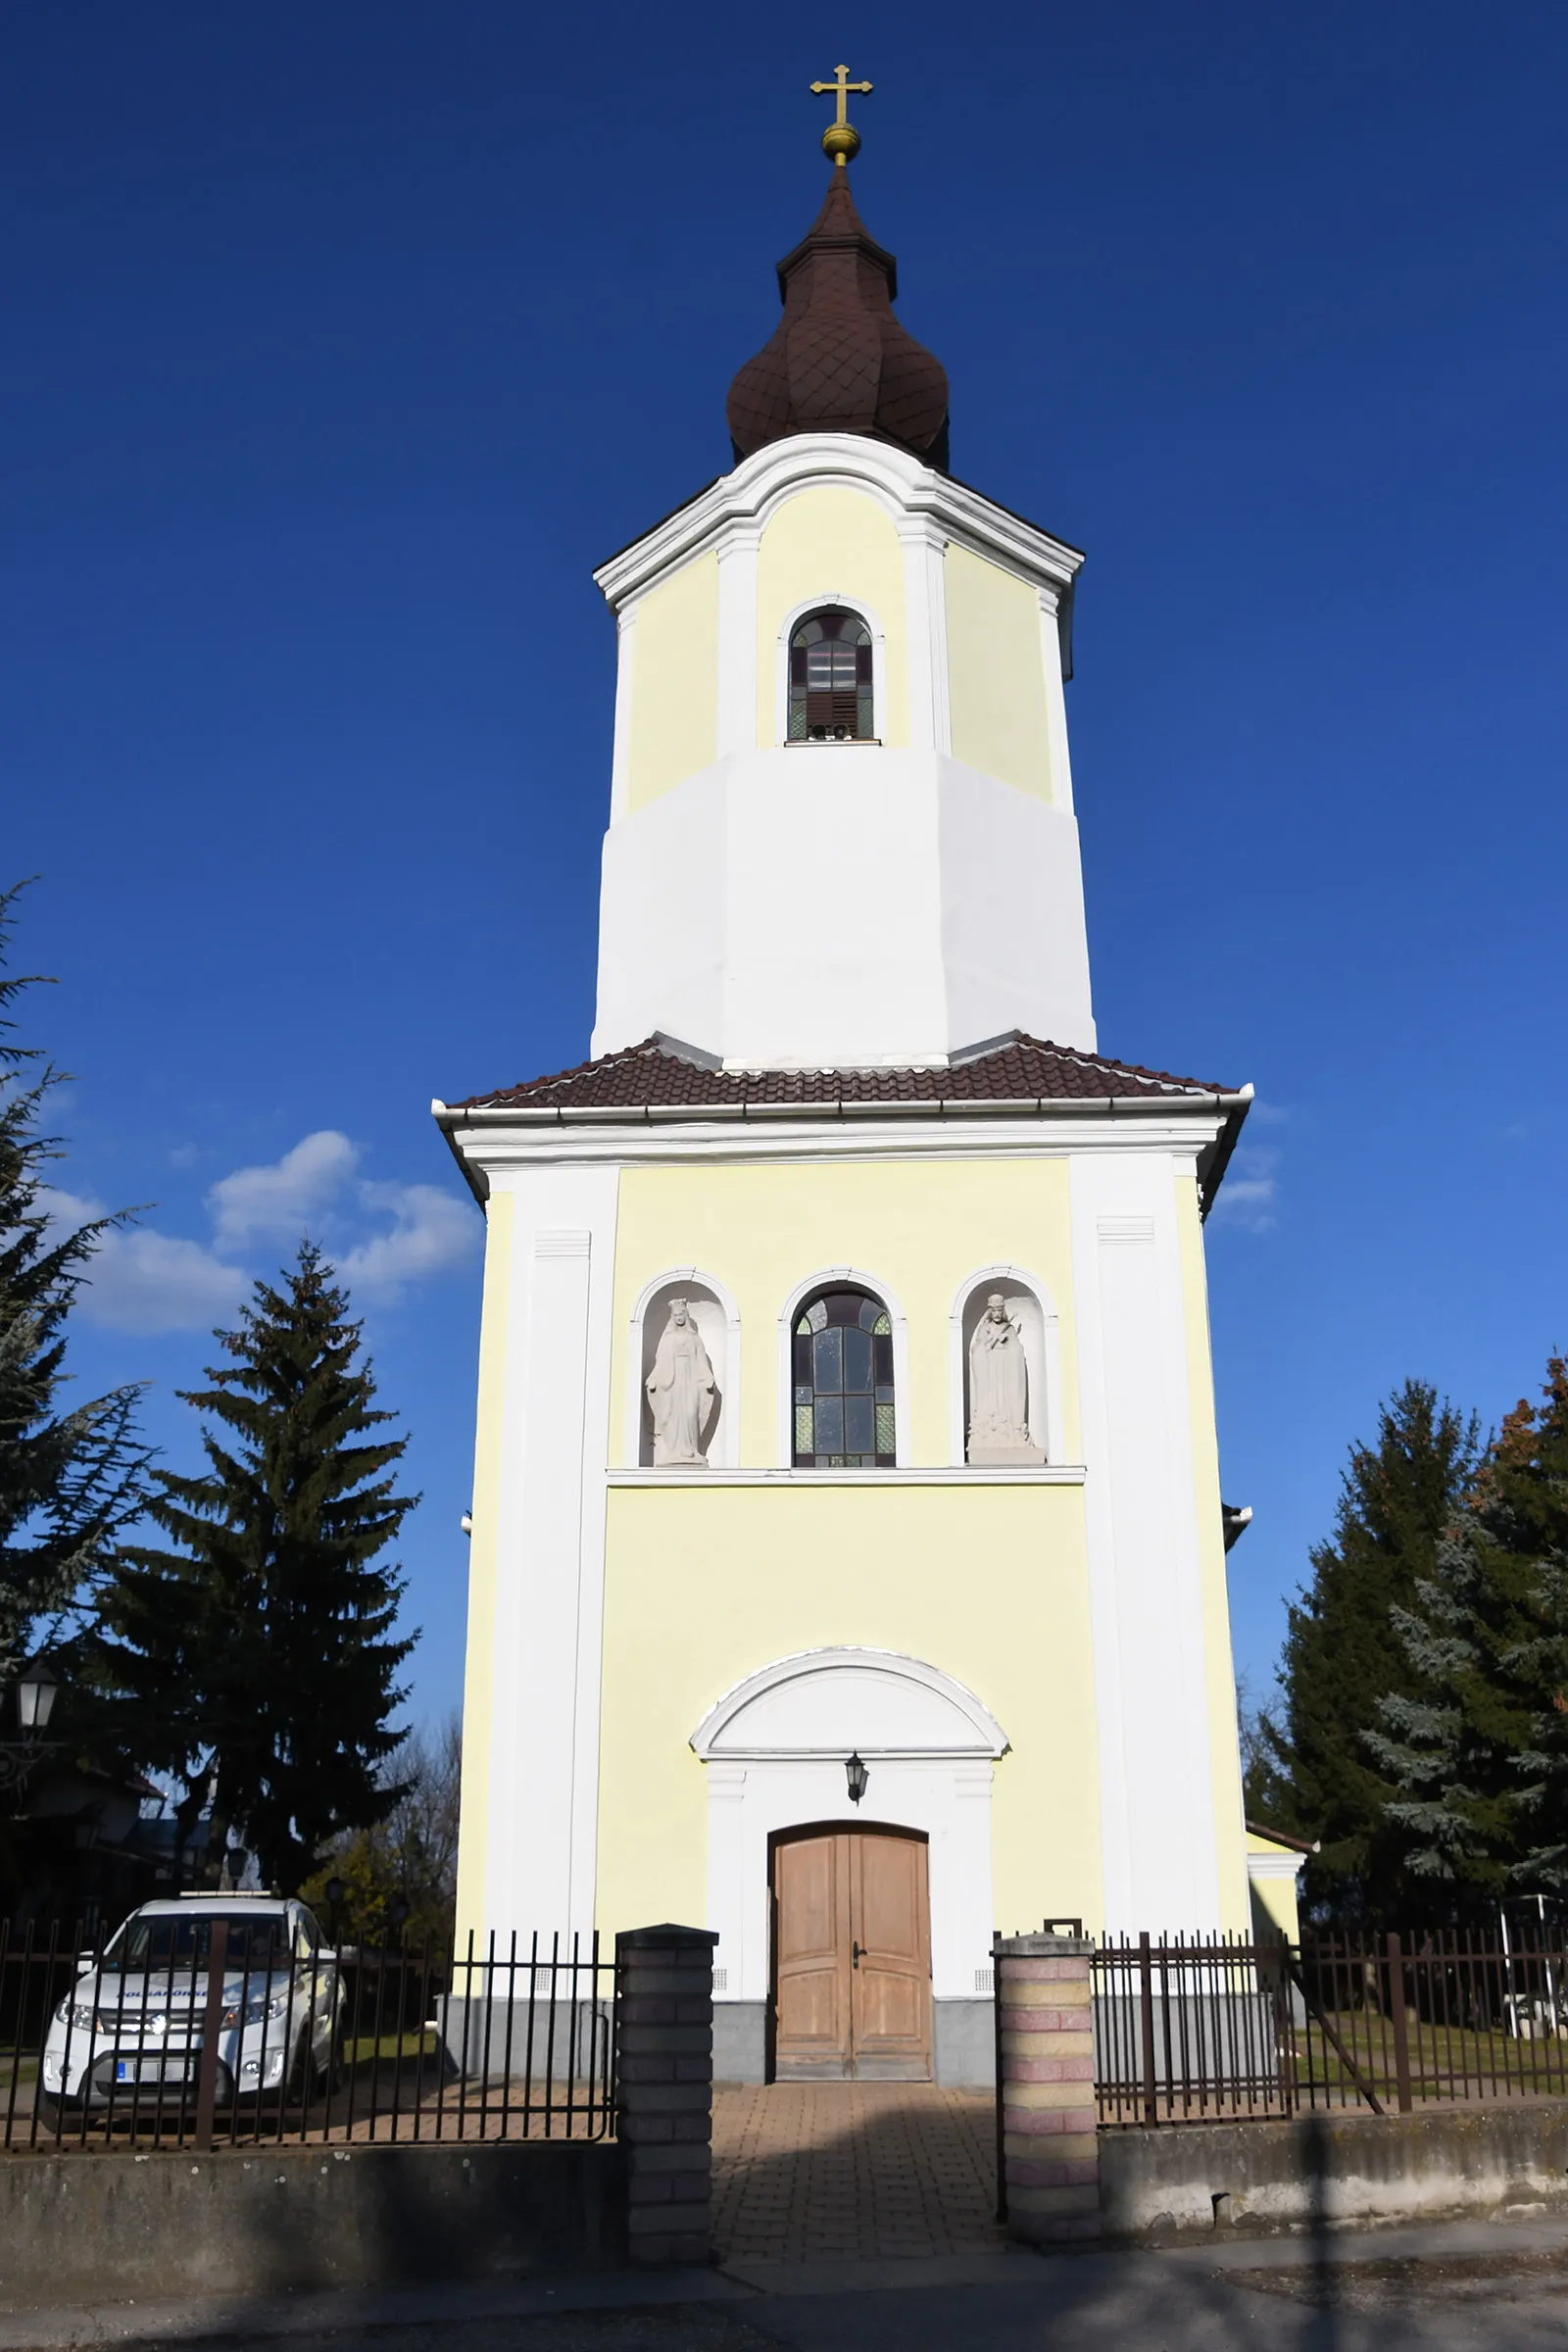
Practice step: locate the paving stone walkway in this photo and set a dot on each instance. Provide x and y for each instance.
(818, 2172)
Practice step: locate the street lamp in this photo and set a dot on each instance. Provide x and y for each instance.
(36, 1685)
(857, 1778)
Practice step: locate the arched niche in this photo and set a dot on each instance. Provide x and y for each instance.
(1029, 1305)
(713, 1312)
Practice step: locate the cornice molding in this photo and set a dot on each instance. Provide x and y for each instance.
(1183, 1123)
(920, 501)
(941, 1474)
(490, 1146)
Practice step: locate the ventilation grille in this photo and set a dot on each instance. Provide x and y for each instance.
(722, 1980)
(985, 1979)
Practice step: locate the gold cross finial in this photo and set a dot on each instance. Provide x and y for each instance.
(841, 139)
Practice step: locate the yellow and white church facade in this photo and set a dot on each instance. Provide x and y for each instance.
(848, 1559)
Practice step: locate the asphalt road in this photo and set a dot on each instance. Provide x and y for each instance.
(1448, 2288)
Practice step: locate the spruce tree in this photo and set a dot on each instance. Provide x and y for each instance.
(1342, 1654)
(71, 1478)
(254, 1654)
(1479, 1759)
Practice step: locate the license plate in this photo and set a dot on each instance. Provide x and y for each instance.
(152, 2070)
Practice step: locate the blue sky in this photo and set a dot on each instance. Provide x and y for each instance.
(343, 340)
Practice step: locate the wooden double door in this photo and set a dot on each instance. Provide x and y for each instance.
(852, 1956)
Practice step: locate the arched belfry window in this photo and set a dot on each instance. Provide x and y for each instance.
(843, 1377)
(830, 679)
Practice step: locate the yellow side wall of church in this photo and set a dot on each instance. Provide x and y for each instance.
(1000, 717)
(821, 544)
(674, 682)
(479, 1675)
(702, 1588)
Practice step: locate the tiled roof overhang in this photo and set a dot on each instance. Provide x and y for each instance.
(658, 1081)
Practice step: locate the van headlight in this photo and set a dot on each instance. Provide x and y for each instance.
(259, 2010)
(78, 2014)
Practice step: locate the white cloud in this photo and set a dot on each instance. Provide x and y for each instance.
(145, 1280)
(380, 1236)
(285, 1199)
(1248, 1194)
(432, 1232)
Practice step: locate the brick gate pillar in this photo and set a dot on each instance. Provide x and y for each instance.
(665, 2088)
(1049, 2149)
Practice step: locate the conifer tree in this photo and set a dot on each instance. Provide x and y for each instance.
(254, 1654)
(1342, 1654)
(71, 1478)
(1479, 1759)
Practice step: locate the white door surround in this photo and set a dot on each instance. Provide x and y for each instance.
(775, 1748)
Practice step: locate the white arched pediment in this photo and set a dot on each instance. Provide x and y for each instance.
(828, 1703)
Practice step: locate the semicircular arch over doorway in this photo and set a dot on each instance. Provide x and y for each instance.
(821, 1702)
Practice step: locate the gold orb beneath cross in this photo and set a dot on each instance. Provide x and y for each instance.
(841, 142)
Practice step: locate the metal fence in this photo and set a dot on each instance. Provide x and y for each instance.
(219, 2036)
(1220, 2032)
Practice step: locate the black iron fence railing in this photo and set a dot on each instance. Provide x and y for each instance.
(216, 2035)
(1194, 2031)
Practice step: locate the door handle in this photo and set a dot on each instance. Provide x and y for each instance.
(854, 1954)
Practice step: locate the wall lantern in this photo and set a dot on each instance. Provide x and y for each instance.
(857, 1777)
(36, 1685)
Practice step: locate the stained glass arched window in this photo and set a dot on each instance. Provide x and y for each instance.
(830, 680)
(843, 1373)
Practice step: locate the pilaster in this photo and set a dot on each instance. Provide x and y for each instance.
(737, 639)
(925, 608)
(620, 755)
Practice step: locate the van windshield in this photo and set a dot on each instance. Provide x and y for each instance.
(172, 1939)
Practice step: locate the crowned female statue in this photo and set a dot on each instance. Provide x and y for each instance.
(680, 1391)
(999, 1389)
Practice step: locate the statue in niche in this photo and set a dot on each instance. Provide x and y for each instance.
(680, 1391)
(999, 1389)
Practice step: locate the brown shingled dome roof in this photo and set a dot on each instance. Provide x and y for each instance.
(840, 362)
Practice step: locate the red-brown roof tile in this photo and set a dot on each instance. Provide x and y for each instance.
(655, 1076)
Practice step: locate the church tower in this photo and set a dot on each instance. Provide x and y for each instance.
(848, 1555)
(839, 661)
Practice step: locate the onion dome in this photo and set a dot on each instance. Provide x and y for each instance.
(840, 362)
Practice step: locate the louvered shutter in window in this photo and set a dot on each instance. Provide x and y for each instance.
(830, 680)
